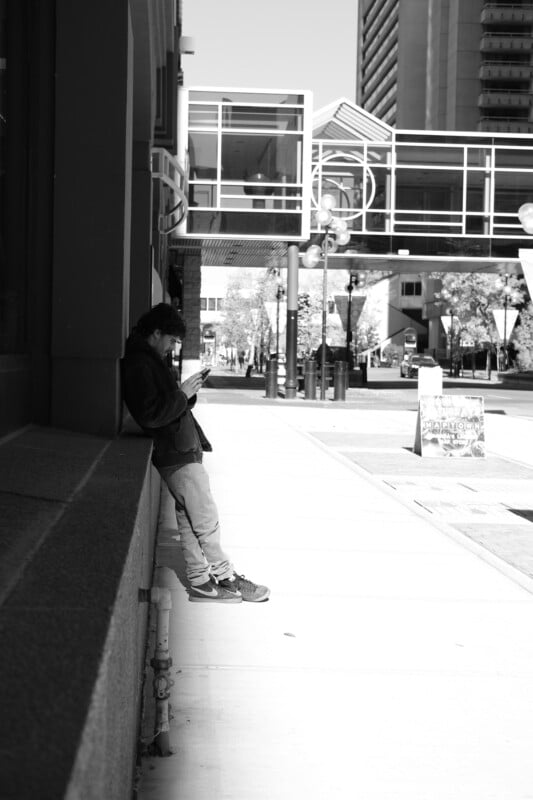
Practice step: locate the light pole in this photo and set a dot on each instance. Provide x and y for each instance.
(450, 312)
(503, 285)
(335, 234)
(279, 294)
(350, 286)
(449, 296)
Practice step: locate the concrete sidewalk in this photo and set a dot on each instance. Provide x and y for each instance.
(394, 658)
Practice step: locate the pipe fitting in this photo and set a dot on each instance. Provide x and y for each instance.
(161, 598)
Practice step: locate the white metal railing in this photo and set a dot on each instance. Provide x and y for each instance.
(173, 181)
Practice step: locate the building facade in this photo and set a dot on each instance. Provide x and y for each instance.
(89, 187)
(447, 64)
(392, 60)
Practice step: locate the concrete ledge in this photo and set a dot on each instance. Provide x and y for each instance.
(73, 631)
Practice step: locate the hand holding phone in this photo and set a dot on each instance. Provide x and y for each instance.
(205, 372)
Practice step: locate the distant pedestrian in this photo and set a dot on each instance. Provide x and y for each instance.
(162, 408)
(251, 360)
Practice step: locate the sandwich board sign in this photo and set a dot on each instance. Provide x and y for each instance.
(450, 426)
(429, 381)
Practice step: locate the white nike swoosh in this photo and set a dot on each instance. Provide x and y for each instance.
(209, 593)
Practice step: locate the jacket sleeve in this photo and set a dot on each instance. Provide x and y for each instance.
(149, 404)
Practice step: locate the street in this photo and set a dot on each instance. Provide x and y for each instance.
(389, 390)
(385, 390)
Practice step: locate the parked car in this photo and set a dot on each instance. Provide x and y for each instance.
(410, 365)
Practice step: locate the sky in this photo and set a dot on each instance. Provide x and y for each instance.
(277, 44)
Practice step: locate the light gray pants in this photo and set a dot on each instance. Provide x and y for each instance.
(198, 524)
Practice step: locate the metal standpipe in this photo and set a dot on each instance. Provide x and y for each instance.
(310, 378)
(161, 663)
(339, 380)
(271, 378)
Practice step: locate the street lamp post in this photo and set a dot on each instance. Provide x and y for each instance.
(279, 294)
(350, 286)
(450, 312)
(503, 284)
(335, 234)
(449, 295)
(506, 291)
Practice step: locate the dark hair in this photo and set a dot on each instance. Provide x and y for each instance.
(163, 317)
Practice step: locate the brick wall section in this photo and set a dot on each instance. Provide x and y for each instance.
(192, 284)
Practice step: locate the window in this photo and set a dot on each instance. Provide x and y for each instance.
(211, 304)
(246, 164)
(411, 288)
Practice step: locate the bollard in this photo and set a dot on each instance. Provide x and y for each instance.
(310, 380)
(339, 380)
(271, 378)
(363, 368)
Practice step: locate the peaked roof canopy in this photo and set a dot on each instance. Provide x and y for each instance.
(342, 119)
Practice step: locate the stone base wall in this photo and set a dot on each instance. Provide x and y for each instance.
(78, 535)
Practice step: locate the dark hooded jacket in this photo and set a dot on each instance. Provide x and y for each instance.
(159, 407)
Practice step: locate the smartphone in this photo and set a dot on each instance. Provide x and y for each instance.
(204, 373)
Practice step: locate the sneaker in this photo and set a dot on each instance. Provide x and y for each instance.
(251, 592)
(212, 592)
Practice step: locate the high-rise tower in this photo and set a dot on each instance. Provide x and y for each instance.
(447, 64)
(392, 60)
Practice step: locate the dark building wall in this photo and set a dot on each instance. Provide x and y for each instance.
(26, 189)
(88, 90)
(92, 212)
(78, 511)
(192, 281)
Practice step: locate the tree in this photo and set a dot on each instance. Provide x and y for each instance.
(245, 324)
(366, 335)
(523, 339)
(310, 311)
(471, 298)
(309, 326)
(243, 312)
